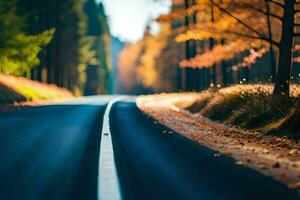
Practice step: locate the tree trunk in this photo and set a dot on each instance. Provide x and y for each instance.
(224, 73)
(211, 46)
(224, 68)
(282, 82)
(214, 70)
(272, 56)
(196, 73)
(185, 73)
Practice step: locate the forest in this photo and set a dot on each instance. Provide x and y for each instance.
(214, 43)
(66, 43)
(150, 99)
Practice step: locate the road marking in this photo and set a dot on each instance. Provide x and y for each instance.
(108, 180)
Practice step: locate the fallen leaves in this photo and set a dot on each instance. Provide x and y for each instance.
(278, 157)
(276, 165)
(294, 152)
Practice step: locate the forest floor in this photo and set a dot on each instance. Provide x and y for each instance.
(211, 119)
(17, 92)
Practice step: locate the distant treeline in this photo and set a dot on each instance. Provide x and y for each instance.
(63, 42)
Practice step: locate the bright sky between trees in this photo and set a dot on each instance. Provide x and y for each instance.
(129, 18)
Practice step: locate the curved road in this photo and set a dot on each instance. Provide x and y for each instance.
(52, 152)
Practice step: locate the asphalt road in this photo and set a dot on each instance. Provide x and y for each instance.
(157, 165)
(52, 152)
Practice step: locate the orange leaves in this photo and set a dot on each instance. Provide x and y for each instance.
(296, 59)
(296, 49)
(250, 60)
(241, 23)
(222, 53)
(128, 60)
(138, 61)
(153, 45)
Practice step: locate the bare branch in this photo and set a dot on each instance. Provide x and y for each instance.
(265, 13)
(277, 3)
(253, 37)
(238, 20)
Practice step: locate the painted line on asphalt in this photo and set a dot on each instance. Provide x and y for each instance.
(108, 181)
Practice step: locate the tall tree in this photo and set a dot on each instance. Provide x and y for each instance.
(18, 50)
(234, 22)
(78, 42)
(99, 66)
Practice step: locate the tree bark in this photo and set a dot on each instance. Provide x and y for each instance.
(272, 56)
(187, 51)
(282, 82)
(224, 69)
(211, 46)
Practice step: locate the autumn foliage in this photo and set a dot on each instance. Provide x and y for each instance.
(222, 42)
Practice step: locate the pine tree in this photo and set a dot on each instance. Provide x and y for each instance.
(99, 66)
(18, 50)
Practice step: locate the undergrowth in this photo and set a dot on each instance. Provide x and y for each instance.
(250, 107)
(18, 89)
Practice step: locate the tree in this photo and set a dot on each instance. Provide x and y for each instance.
(99, 65)
(233, 22)
(127, 81)
(18, 50)
(81, 40)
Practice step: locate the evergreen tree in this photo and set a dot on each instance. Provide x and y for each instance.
(99, 66)
(18, 50)
(81, 39)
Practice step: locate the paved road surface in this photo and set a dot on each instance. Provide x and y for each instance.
(52, 152)
(156, 165)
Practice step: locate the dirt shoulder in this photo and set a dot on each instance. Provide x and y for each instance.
(274, 156)
(5, 108)
(19, 92)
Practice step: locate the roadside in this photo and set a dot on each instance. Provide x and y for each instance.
(18, 92)
(274, 156)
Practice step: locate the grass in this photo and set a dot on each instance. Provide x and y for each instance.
(249, 107)
(18, 89)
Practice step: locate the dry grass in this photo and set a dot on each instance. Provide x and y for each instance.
(18, 89)
(250, 107)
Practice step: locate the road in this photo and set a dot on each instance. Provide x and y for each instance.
(52, 152)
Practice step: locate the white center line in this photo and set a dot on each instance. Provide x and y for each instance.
(108, 180)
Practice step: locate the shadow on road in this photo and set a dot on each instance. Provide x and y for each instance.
(50, 152)
(154, 163)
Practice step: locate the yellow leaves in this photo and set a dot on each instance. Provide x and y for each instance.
(147, 71)
(194, 35)
(128, 59)
(138, 61)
